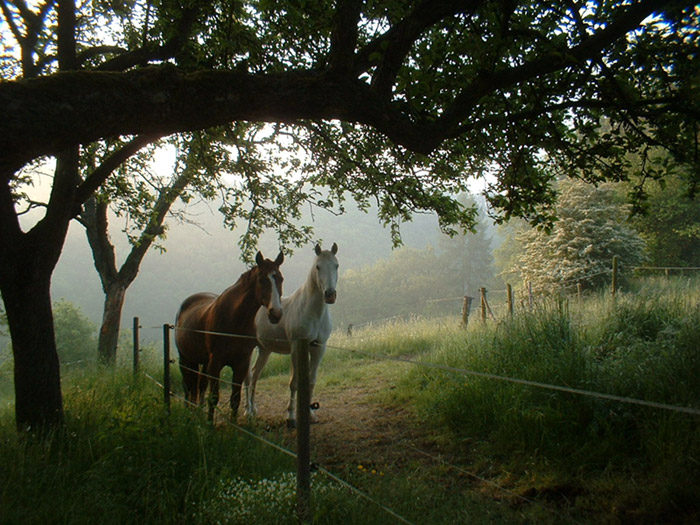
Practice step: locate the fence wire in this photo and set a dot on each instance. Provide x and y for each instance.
(455, 370)
(496, 377)
(291, 454)
(527, 382)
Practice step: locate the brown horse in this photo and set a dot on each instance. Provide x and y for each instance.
(213, 331)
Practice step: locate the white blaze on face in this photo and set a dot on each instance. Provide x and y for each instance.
(275, 298)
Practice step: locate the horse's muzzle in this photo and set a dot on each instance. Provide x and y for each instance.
(274, 315)
(330, 296)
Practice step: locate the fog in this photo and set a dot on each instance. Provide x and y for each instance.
(206, 257)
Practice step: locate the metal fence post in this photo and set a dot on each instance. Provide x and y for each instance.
(166, 366)
(136, 345)
(509, 298)
(614, 275)
(303, 432)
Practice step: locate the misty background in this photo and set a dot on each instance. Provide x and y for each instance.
(204, 256)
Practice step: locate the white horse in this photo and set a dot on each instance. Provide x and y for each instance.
(306, 317)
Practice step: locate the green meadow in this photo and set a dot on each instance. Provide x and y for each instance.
(510, 452)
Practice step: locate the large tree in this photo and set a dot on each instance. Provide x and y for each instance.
(398, 101)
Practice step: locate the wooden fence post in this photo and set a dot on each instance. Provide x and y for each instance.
(529, 295)
(137, 349)
(466, 307)
(614, 275)
(166, 366)
(509, 298)
(304, 514)
(482, 292)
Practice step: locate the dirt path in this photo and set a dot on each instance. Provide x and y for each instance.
(353, 429)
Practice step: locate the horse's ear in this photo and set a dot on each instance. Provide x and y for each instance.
(317, 249)
(334, 249)
(259, 258)
(280, 258)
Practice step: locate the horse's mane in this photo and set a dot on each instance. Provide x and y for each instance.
(247, 276)
(244, 281)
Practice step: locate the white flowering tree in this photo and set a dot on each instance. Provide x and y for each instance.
(591, 229)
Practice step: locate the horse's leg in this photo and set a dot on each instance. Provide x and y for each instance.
(316, 357)
(240, 372)
(213, 371)
(251, 380)
(189, 380)
(202, 382)
(292, 407)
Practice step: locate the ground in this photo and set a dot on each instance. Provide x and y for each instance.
(353, 429)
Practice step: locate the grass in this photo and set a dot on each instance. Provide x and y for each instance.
(120, 458)
(623, 460)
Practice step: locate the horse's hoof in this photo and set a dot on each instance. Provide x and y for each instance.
(291, 423)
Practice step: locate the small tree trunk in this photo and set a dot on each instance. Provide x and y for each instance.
(111, 321)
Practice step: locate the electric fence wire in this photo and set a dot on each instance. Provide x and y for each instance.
(496, 377)
(288, 452)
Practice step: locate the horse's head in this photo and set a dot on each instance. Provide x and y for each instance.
(326, 269)
(268, 288)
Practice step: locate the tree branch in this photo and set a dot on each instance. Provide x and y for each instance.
(396, 43)
(588, 49)
(344, 37)
(93, 181)
(94, 220)
(147, 53)
(167, 196)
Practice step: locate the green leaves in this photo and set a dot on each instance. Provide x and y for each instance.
(519, 93)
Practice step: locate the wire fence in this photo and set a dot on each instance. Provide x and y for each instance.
(436, 366)
(486, 375)
(360, 493)
(461, 371)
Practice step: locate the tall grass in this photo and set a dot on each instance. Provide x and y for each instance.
(121, 459)
(643, 346)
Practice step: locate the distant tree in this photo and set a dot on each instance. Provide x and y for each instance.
(76, 335)
(399, 285)
(468, 256)
(591, 228)
(508, 249)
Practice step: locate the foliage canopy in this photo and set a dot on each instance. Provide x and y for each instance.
(396, 101)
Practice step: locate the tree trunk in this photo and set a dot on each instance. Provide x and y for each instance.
(27, 261)
(38, 398)
(111, 321)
